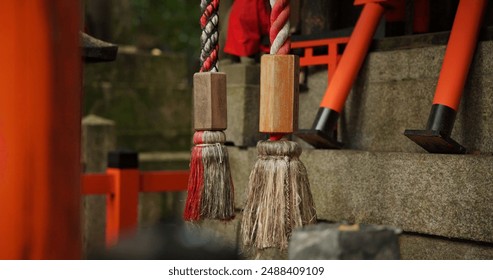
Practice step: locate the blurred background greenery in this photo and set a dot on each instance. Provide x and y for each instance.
(170, 25)
(147, 90)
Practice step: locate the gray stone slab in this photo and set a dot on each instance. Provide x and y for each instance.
(241, 162)
(325, 241)
(229, 233)
(243, 86)
(473, 127)
(443, 195)
(386, 67)
(309, 101)
(98, 137)
(377, 114)
(425, 63)
(482, 63)
(242, 73)
(416, 247)
(411, 246)
(243, 115)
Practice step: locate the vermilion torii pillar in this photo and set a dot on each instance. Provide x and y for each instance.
(40, 100)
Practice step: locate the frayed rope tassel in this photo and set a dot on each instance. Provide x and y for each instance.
(210, 188)
(279, 197)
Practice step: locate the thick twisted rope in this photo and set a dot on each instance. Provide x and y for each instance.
(279, 30)
(209, 22)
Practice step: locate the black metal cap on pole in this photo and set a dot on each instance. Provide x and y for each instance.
(123, 159)
(323, 134)
(436, 137)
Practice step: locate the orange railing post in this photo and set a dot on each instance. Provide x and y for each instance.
(40, 97)
(331, 59)
(122, 202)
(453, 75)
(121, 184)
(321, 135)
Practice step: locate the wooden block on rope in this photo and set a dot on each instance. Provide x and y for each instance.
(279, 93)
(209, 95)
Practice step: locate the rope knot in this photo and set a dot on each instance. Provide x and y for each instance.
(279, 149)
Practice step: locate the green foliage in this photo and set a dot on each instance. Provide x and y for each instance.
(171, 25)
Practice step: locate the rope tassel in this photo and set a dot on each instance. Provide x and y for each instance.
(210, 192)
(279, 198)
(210, 188)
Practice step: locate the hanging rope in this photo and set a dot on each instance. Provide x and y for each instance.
(209, 22)
(210, 186)
(279, 30)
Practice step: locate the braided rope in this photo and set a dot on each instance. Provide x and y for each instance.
(209, 22)
(279, 30)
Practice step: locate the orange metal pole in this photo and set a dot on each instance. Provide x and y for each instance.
(459, 53)
(323, 132)
(122, 204)
(352, 58)
(455, 68)
(40, 95)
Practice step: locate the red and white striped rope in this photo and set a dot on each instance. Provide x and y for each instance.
(209, 22)
(279, 30)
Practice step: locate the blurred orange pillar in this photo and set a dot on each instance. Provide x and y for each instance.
(40, 100)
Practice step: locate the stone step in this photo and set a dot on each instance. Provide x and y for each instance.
(411, 246)
(394, 92)
(441, 195)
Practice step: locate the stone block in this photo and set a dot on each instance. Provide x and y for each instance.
(385, 67)
(377, 114)
(243, 87)
(442, 195)
(342, 242)
(98, 137)
(482, 63)
(419, 247)
(229, 232)
(241, 74)
(310, 101)
(241, 162)
(425, 63)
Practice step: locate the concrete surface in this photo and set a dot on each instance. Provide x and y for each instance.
(443, 195)
(98, 138)
(243, 103)
(416, 247)
(325, 241)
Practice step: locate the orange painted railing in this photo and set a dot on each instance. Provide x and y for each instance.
(308, 58)
(122, 187)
